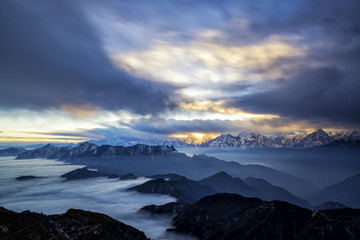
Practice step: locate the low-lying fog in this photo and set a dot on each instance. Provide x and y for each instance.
(320, 168)
(51, 195)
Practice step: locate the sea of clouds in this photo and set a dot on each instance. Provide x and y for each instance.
(52, 195)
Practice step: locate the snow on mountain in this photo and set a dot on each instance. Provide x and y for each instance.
(245, 139)
(248, 139)
(224, 140)
(88, 150)
(346, 135)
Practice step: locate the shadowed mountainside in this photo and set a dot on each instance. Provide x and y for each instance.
(347, 192)
(11, 151)
(271, 192)
(74, 224)
(183, 189)
(231, 217)
(223, 182)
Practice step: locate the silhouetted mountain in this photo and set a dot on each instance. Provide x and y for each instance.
(271, 192)
(74, 224)
(346, 192)
(330, 205)
(128, 176)
(183, 189)
(231, 216)
(168, 176)
(295, 185)
(81, 173)
(223, 182)
(11, 151)
(112, 176)
(168, 208)
(29, 177)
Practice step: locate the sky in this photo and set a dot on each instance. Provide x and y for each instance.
(72, 71)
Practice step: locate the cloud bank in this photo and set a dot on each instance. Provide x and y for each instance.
(52, 56)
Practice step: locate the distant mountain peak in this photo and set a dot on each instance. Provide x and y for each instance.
(90, 150)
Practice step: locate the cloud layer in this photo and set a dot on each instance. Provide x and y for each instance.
(51, 195)
(52, 56)
(182, 65)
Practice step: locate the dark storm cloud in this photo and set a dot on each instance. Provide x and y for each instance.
(51, 56)
(171, 126)
(322, 86)
(323, 95)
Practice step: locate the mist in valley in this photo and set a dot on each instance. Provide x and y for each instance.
(319, 167)
(53, 195)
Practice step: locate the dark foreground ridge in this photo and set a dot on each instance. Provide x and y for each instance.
(231, 217)
(74, 224)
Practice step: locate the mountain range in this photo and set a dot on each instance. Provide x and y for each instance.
(248, 139)
(256, 140)
(164, 159)
(188, 191)
(244, 140)
(90, 150)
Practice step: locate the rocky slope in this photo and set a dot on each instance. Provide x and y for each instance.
(231, 216)
(74, 224)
